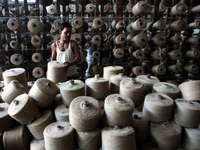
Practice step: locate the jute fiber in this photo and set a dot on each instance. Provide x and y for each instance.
(84, 113)
(132, 89)
(168, 89)
(14, 89)
(71, 89)
(186, 113)
(167, 135)
(6, 122)
(56, 71)
(89, 140)
(118, 139)
(43, 92)
(37, 144)
(118, 110)
(62, 113)
(158, 107)
(41, 121)
(23, 109)
(59, 136)
(97, 87)
(112, 70)
(190, 90)
(18, 138)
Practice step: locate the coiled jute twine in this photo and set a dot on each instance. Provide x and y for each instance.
(120, 39)
(14, 24)
(148, 82)
(17, 59)
(178, 9)
(35, 26)
(112, 70)
(118, 110)
(51, 9)
(194, 40)
(193, 53)
(176, 39)
(97, 23)
(178, 25)
(149, 146)
(159, 39)
(140, 40)
(96, 39)
(36, 40)
(90, 8)
(77, 23)
(89, 140)
(38, 72)
(190, 90)
(175, 55)
(132, 89)
(191, 138)
(56, 71)
(6, 122)
(174, 68)
(139, 8)
(118, 52)
(191, 68)
(158, 107)
(139, 24)
(18, 138)
(71, 89)
(59, 136)
(84, 113)
(23, 109)
(186, 113)
(157, 54)
(41, 121)
(76, 37)
(159, 25)
(166, 134)
(168, 89)
(43, 92)
(118, 139)
(138, 70)
(138, 54)
(14, 89)
(114, 83)
(37, 144)
(62, 113)
(141, 127)
(14, 44)
(159, 69)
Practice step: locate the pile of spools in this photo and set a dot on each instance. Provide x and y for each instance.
(136, 113)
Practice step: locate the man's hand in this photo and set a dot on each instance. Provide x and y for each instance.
(67, 65)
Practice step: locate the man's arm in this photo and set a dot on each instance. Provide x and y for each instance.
(53, 51)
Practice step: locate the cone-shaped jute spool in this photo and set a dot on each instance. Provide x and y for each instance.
(37, 144)
(112, 70)
(62, 113)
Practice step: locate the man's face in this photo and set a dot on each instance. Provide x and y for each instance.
(66, 34)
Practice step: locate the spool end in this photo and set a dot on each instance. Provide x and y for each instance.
(135, 116)
(16, 102)
(48, 84)
(86, 103)
(71, 82)
(59, 127)
(120, 99)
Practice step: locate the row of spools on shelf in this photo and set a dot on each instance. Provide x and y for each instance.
(111, 112)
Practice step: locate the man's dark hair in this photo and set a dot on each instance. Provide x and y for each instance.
(65, 25)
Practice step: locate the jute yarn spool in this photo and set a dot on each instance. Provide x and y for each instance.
(62, 113)
(37, 57)
(59, 136)
(167, 134)
(77, 22)
(97, 69)
(132, 89)
(175, 55)
(114, 83)
(186, 113)
(48, 2)
(36, 40)
(14, 89)
(38, 72)
(176, 38)
(112, 70)
(159, 69)
(35, 26)
(120, 39)
(56, 71)
(17, 59)
(191, 68)
(194, 25)
(84, 113)
(96, 39)
(14, 24)
(51, 9)
(158, 107)
(43, 92)
(97, 23)
(157, 54)
(178, 25)
(129, 28)
(6, 122)
(159, 39)
(90, 8)
(118, 25)
(162, 8)
(138, 70)
(118, 53)
(97, 87)
(18, 138)
(106, 8)
(178, 9)
(148, 82)
(53, 30)
(57, 23)
(56, 37)
(190, 90)
(2, 56)
(196, 9)
(159, 25)
(138, 54)
(141, 127)
(89, 140)
(193, 53)
(76, 37)
(149, 9)
(168, 89)
(149, 146)
(14, 44)
(42, 120)
(118, 139)
(174, 68)
(139, 24)
(71, 89)
(140, 40)
(23, 109)
(194, 40)
(129, 8)
(37, 144)
(191, 138)
(139, 8)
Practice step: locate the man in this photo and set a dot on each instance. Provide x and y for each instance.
(66, 50)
